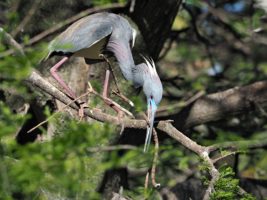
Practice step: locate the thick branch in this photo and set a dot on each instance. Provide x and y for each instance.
(36, 80)
(217, 106)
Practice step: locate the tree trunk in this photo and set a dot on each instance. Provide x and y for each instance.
(149, 15)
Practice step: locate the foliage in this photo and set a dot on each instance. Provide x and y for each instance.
(226, 187)
(64, 167)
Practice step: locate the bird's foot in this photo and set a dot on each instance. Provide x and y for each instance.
(124, 98)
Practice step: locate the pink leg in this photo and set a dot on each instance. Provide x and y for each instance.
(53, 71)
(106, 84)
(105, 93)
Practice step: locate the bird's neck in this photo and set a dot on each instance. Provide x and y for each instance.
(124, 57)
(138, 75)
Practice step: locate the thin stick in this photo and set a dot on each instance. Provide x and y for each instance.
(111, 148)
(58, 111)
(109, 100)
(124, 98)
(132, 5)
(155, 160)
(111, 69)
(146, 180)
(224, 156)
(118, 92)
(12, 42)
(26, 19)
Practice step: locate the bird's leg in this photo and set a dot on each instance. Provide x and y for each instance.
(69, 92)
(54, 73)
(118, 92)
(107, 100)
(111, 69)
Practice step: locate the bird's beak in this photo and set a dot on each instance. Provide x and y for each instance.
(151, 110)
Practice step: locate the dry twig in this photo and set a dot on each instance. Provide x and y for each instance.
(27, 18)
(91, 90)
(12, 42)
(155, 160)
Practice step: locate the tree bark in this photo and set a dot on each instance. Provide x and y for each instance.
(220, 105)
(155, 19)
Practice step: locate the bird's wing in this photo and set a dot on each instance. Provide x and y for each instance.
(80, 35)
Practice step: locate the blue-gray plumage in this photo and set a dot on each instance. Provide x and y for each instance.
(145, 75)
(91, 36)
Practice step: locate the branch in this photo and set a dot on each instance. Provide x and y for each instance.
(11, 41)
(217, 106)
(201, 151)
(36, 80)
(26, 19)
(155, 160)
(239, 145)
(165, 126)
(111, 148)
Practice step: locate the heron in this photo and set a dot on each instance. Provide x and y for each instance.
(145, 75)
(97, 34)
(92, 37)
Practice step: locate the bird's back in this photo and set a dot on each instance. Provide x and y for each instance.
(84, 33)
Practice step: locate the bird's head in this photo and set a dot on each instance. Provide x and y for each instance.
(152, 88)
(152, 85)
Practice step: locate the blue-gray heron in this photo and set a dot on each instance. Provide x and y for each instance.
(94, 35)
(91, 37)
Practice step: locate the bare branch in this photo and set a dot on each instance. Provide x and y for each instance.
(155, 160)
(239, 145)
(111, 148)
(217, 106)
(36, 80)
(27, 18)
(11, 41)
